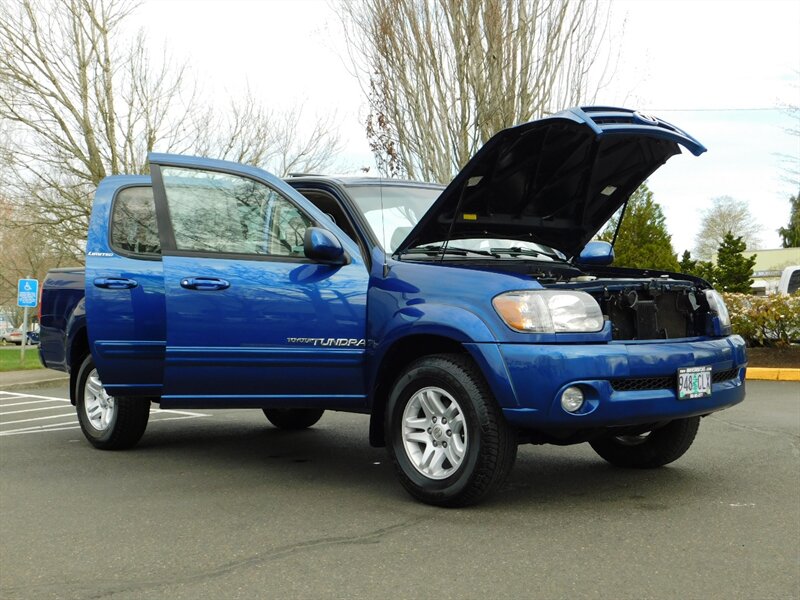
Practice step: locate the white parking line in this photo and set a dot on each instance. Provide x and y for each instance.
(31, 402)
(16, 412)
(156, 414)
(18, 395)
(43, 427)
(32, 419)
(37, 430)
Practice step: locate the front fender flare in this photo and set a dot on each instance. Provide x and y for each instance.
(458, 325)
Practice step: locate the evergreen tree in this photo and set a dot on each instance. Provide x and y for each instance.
(699, 268)
(791, 233)
(706, 270)
(643, 241)
(734, 272)
(686, 264)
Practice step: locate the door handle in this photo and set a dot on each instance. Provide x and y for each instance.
(115, 283)
(204, 284)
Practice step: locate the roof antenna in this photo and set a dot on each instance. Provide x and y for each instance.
(384, 243)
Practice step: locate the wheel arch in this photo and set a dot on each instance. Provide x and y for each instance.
(393, 361)
(405, 350)
(77, 351)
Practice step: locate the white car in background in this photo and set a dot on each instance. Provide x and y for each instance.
(790, 280)
(14, 336)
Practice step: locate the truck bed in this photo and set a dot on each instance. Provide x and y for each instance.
(62, 309)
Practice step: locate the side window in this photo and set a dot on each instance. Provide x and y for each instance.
(794, 282)
(133, 223)
(223, 213)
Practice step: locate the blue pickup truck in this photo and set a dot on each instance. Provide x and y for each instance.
(465, 320)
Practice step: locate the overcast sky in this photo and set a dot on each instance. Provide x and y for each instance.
(721, 70)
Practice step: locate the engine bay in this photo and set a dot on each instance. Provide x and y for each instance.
(648, 309)
(640, 304)
(645, 308)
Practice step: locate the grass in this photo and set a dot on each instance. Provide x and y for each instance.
(9, 359)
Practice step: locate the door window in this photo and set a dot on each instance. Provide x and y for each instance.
(222, 213)
(134, 230)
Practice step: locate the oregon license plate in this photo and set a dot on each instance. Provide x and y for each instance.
(694, 382)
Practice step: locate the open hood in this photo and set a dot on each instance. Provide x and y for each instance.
(555, 181)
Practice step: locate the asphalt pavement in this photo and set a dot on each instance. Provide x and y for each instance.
(219, 504)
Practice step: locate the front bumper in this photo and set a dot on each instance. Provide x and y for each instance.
(539, 373)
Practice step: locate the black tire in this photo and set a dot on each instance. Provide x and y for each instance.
(655, 449)
(293, 418)
(127, 417)
(491, 446)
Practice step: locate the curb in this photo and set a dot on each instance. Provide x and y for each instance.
(772, 374)
(32, 382)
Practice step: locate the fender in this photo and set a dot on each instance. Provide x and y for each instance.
(454, 323)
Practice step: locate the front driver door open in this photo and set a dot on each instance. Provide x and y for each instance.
(251, 322)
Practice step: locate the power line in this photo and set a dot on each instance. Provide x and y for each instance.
(760, 108)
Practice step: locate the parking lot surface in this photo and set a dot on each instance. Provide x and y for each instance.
(219, 504)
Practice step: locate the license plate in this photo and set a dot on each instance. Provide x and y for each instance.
(694, 382)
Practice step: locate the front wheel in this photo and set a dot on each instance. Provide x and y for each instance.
(650, 450)
(447, 438)
(108, 422)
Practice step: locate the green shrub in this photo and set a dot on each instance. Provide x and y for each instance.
(765, 320)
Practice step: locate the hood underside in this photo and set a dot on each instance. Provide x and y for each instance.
(555, 181)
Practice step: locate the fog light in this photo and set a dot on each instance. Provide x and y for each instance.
(572, 399)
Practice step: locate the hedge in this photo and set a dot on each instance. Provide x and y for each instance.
(765, 320)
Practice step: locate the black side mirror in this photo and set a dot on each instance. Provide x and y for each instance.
(322, 246)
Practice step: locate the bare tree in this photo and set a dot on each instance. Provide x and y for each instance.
(726, 215)
(250, 133)
(78, 103)
(77, 109)
(791, 162)
(24, 254)
(442, 76)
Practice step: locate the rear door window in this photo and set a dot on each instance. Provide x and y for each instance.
(134, 231)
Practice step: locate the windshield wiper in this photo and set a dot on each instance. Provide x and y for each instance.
(517, 251)
(433, 250)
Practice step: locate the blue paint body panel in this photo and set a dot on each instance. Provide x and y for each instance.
(291, 332)
(541, 373)
(126, 326)
(235, 342)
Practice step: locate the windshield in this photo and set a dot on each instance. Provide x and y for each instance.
(393, 210)
(495, 247)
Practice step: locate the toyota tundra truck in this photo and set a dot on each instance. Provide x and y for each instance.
(465, 320)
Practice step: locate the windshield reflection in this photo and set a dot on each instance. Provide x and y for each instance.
(393, 210)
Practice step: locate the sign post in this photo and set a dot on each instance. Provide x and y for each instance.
(27, 297)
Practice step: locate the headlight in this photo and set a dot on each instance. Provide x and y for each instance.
(717, 305)
(549, 311)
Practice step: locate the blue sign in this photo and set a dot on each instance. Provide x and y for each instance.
(27, 293)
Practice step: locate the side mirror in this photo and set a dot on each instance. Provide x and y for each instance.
(322, 246)
(600, 254)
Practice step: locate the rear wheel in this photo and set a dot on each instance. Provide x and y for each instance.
(652, 449)
(108, 422)
(449, 441)
(293, 418)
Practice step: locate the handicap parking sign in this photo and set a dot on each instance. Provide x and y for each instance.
(28, 293)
